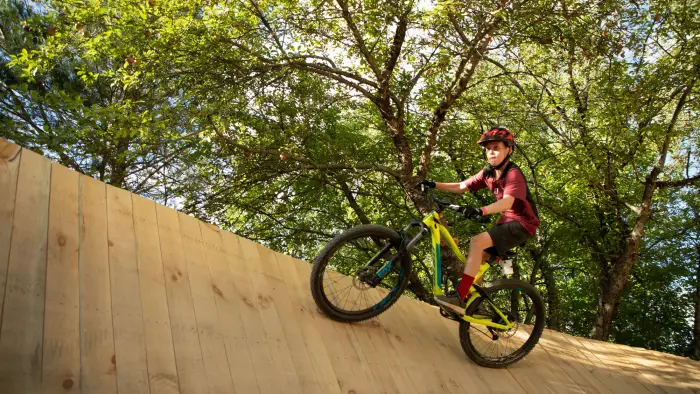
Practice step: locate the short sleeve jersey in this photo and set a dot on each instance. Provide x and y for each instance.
(512, 184)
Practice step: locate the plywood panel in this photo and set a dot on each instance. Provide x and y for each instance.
(351, 370)
(21, 334)
(318, 354)
(188, 353)
(61, 365)
(160, 356)
(229, 307)
(263, 345)
(98, 360)
(127, 317)
(10, 155)
(213, 346)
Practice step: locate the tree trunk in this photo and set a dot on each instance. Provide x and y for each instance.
(613, 283)
(415, 286)
(552, 296)
(696, 327)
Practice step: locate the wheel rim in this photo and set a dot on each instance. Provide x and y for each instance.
(503, 346)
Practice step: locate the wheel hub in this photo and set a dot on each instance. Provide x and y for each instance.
(362, 278)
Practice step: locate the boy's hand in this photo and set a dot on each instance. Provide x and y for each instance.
(427, 183)
(471, 213)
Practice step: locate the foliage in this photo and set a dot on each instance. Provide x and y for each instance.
(289, 121)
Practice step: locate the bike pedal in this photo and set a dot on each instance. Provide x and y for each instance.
(449, 314)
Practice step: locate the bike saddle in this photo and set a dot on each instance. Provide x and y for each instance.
(508, 255)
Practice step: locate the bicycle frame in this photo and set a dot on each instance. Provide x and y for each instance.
(432, 223)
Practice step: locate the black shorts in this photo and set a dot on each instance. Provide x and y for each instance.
(506, 236)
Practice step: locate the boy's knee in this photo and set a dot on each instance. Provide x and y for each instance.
(480, 242)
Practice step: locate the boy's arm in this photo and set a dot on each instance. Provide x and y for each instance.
(449, 187)
(474, 183)
(501, 205)
(514, 188)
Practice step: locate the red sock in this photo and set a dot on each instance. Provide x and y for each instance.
(464, 285)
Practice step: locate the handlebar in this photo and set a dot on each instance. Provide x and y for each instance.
(441, 204)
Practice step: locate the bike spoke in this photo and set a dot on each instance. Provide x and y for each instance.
(518, 308)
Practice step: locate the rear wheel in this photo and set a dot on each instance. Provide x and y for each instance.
(345, 287)
(522, 304)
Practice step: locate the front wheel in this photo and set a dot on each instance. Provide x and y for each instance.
(360, 273)
(522, 304)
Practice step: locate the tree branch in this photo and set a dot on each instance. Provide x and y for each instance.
(267, 26)
(311, 165)
(678, 183)
(353, 203)
(394, 52)
(462, 78)
(520, 88)
(358, 38)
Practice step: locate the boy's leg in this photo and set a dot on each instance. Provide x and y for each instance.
(475, 258)
(477, 246)
(476, 255)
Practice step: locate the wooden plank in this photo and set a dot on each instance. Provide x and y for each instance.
(264, 291)
(183, 323)
(457, 373)
(263, 346)
(607, 354)
(538, 373)
(359, 350)
(326, 378)
(382, 361)
(355, 346)
(23, 310)
(160, 356)
(98, 362)
(446, 335)
(655, 370)
(61, 366)
(10, 155)
(337, 349)
(229, 306)
(411, 350)
(681, 371)
(302, 365)
(213, 346)
(127, 317)
(572, 362)
(615, 380)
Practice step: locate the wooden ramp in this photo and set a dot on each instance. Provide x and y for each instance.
(103, 291)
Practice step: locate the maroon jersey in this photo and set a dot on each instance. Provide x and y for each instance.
(513, 184)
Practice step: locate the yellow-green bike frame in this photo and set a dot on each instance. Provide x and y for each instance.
(432, 222)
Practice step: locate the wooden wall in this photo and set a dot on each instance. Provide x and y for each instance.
(104, 291)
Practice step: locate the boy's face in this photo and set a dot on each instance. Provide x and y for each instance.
(496, 151)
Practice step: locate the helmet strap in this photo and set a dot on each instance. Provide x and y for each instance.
(490, 170)
(503, 162)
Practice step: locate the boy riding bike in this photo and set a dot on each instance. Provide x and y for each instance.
(516, 225)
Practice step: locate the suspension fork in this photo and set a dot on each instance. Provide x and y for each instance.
(365, 273)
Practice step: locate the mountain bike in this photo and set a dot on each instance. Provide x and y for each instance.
(506, 317)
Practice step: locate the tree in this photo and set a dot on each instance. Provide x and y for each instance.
(289, 121)
(606, 113)
(69, 109)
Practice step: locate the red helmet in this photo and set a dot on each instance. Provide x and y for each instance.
(497, 134)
